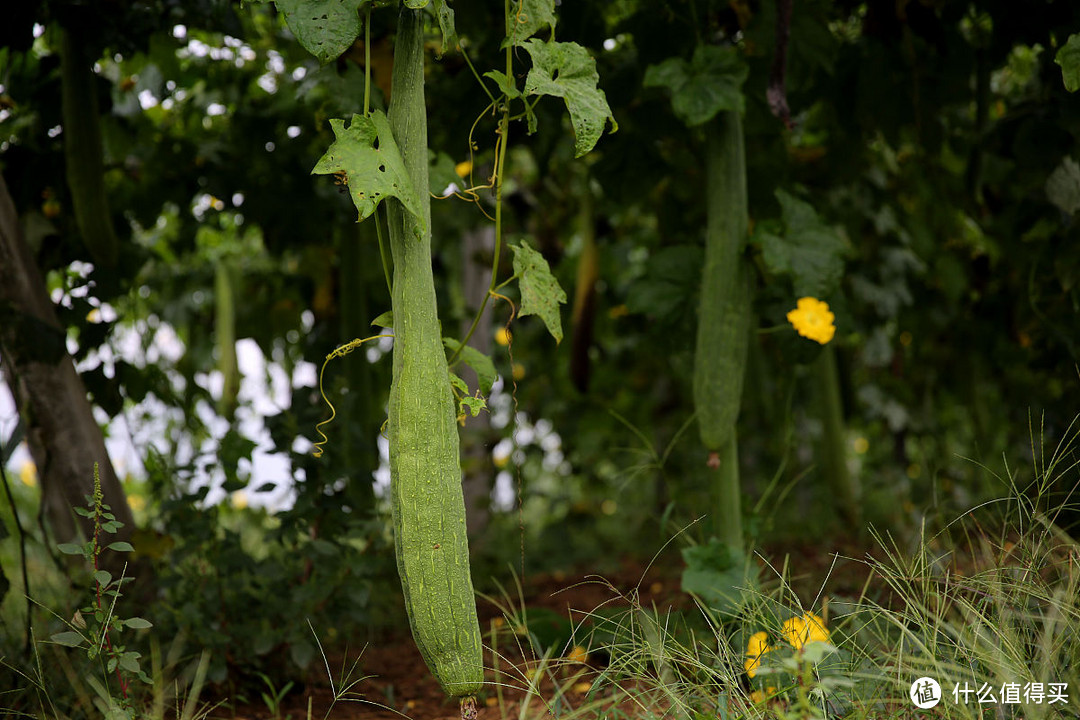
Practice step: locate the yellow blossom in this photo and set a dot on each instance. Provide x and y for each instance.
(463, 169)
(502, 336)
(28, 473)
(755, 650)
(578, 654)
(757, 697)
(812, 319)
(799, 631)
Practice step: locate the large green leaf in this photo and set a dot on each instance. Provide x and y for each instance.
(540, 291)
(710, 83)
(1068, 57)
(567, 70)
(367, 159)
(326, 28)
(719, 575)
(810, 252)
(528, 17)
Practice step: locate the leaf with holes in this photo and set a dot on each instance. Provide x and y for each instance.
(540, 291)
(529, 18)
(366, 158)
(446, 24)
(567, 70)
(326, 28)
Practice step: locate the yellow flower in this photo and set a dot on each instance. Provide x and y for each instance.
(463, 169)
(28, 473)
(812, 319)
(799, 631)
(578, 654)
(757, 697)
(502, 336)
(755, 650)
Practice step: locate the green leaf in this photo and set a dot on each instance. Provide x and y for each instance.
(458, 384)
(121, 546)
(416, 4)
(540, 291)
(810, 252)
(138, 623)
(507, 86)
(326, 28)
(70, 548)
(233, 448)
(1063, 185)
(710, 83)
(386, 320)
(1068, 57)
(478, 361)
(441, 173)
(367, 159)
(718, 575)
(68, 639)
(472, 404)
(130, 661)
(446, 24)
(567, 70)
(103, 577)
(668, 289)
(529, 18)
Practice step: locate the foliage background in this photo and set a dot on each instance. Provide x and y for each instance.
(932, 142)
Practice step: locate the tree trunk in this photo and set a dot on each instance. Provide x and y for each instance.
(65, 440)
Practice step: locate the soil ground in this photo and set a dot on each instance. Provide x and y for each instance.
(397, 684)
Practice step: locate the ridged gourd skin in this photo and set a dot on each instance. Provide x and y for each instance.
(425, 471)
(85, 167)
(724, 314)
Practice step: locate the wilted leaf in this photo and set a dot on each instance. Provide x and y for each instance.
(326, 28)
(366, 158)
(540, 291)
(446, 24)
(567, 70)
(710, 83)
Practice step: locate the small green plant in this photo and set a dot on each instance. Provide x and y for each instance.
(273, 696)
(95, 627)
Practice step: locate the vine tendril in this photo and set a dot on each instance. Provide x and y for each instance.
(340, 351)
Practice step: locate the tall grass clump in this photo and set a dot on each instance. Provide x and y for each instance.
(986, 604)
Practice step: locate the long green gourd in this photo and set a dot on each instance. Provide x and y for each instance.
(83, 153)
(425, 471)
(724, 317)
